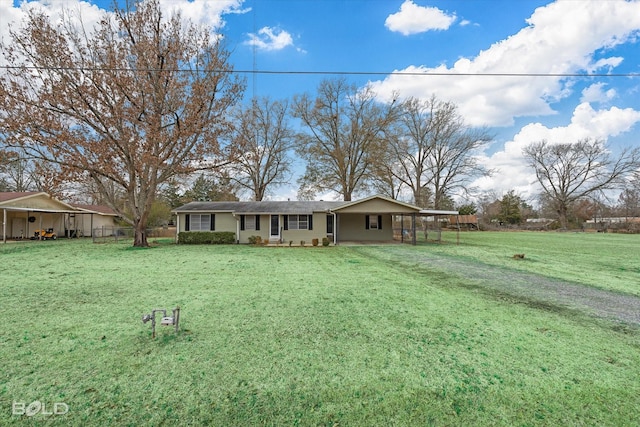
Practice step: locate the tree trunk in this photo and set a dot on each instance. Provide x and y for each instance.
(562, 216)
(140, 236)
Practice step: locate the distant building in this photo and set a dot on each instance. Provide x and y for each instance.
(25, 213)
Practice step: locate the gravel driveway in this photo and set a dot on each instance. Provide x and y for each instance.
(532, 288)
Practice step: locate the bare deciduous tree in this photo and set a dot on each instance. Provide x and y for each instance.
(262, 140)
(629, 202)
(133, 103)
(17, 171)
(344, 125)
(384, 176)
(431, 151)
(574, 171)
(453, 159)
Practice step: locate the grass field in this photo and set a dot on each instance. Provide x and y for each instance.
(312, 336)
(601, 260)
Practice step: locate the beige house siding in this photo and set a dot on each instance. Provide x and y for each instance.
(226, 221)
(84, 224)
(248, 231)
(39, 201)
(17, 226)
(352, 227)
(376, 206)
(318, 231)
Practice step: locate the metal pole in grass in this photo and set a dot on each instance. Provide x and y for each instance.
(164, 321)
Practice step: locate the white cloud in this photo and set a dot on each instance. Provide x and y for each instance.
(550, 44)
(270, 39)
(597, 93)
(205, 12)
(413, 19)
(11, 18)
(512, 170)
(609, 63)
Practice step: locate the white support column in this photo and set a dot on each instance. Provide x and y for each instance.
(238, 228)
(413, 229)
(4, 226)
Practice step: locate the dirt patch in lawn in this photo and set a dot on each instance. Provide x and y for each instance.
(533, 289)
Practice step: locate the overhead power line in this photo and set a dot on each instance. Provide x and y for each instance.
(328, 72)
(453, 74)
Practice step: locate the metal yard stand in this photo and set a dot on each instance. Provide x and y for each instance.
(165, 321)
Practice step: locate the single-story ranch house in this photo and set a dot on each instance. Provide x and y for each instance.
(366, 220)
(23, 213)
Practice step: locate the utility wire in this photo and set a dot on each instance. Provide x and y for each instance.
(325, 72)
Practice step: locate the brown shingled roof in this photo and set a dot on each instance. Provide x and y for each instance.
(101, 209)
(11, 195)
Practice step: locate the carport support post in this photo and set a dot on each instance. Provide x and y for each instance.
(178, 227)
(413, 229)
(4, 226)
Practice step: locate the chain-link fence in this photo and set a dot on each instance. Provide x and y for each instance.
(119, 234)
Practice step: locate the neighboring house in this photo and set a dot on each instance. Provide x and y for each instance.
(91, 217)
(366, 220)
(23, 213)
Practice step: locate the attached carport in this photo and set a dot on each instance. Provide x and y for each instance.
(371, 219)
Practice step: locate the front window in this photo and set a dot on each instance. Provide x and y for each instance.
(298, 222)
(373, 222)
(250, 222)
(200, 222)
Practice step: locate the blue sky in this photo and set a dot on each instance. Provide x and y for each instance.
(453, 44)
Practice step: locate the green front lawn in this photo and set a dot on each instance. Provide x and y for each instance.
(295, 336)
(602, 260)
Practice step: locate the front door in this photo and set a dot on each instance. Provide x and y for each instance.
(275, 226)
